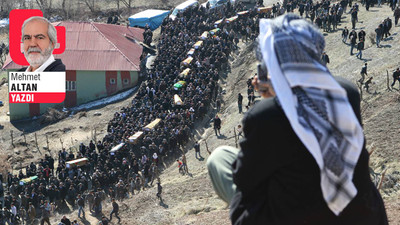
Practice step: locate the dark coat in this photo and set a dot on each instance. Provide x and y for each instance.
(55, 66)
(278, 180)
(360, 45)
(353, 37)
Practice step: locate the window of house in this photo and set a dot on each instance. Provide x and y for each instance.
(112, 81)
(70, 85)
(126, 81)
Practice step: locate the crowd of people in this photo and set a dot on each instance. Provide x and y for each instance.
(51, 186)
(135, 166)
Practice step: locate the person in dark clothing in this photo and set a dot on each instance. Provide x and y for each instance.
(361, 35)
(324, 59)
(115, 21)
(360, 48)
(97, 204)
(367, 4)
(345, 34)
(81, 204)
(159, 191)
(379, 34)
(115, 210)
(197, 150)
(217, 125)
(354, 18)
(353, 40)
(45, 215)
(396, 15)
(367, 83)
(387, 26)
(218, 104)
(396, 77)
(65, 221)
(363, 73)
(312, 16)
(279, 180)
(240, 100)
(109, 20)
(104, 221)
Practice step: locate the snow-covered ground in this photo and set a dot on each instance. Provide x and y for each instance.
(103, 101)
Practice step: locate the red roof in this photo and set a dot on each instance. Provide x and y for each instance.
(97, 46)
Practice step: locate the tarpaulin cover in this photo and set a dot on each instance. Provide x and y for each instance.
(152, 17)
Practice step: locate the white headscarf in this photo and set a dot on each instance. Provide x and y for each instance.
(314, 103)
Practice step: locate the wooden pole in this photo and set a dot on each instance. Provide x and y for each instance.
(23, 132)
(62, 146)
(37, 146)
(207, 147)
(381, 181)
(95, 136)
(47, 141)
(12, 138)
(372, 149)
(361, 90)
(387, 79)
(234, 131)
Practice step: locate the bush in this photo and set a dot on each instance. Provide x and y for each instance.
(53, 115)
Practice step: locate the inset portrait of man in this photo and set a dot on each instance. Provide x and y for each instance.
(39, 39)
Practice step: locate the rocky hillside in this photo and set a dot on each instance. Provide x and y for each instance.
(190, 199)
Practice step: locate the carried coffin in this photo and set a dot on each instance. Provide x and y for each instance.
(204, 35)
(77, 162)
(184, 73)
(177, 86)
(135, 138)
(152, 125)
(230, 20)
(27, 180)
(213, 31)
(180, 84)
(198, 44)
(264, 9)
(218, 22)
(191, 51)
(187, 61)
(177, 100)
(116, 148)
(242, 13)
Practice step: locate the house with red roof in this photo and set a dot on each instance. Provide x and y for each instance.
(100, 60)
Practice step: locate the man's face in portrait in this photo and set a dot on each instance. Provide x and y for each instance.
(36, 42)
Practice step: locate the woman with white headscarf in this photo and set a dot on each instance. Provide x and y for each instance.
(303, 158)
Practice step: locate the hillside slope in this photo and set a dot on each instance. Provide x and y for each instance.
(191, 199)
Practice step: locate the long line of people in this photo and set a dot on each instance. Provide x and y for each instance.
(43, 189)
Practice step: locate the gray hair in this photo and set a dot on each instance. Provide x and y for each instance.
(51, 30)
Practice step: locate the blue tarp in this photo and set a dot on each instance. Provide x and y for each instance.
(153, 17)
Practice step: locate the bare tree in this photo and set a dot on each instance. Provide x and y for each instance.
(7, 5)
(127, 3)
(64, 9)
(90, 4)
(42, 5)
(3, 54)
